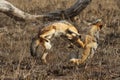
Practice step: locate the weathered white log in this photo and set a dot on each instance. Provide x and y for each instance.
(14, 12)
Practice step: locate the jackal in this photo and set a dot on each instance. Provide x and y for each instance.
(50, 31)
(90, 42)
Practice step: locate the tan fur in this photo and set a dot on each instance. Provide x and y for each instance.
(90, 43)
(50, 31)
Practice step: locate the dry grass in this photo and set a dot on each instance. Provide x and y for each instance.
(15, 37)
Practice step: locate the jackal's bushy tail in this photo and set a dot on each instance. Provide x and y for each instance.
(34, 45)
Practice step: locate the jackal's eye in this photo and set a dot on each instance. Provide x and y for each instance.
(68, 31)
(80, 36)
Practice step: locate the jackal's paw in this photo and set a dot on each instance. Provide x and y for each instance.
(74, 61)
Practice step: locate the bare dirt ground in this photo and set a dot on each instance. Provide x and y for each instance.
(15, 38)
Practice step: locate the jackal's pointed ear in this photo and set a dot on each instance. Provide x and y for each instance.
(100, 26)
(99, 23)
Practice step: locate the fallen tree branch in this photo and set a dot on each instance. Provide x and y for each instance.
(10, 10)
(72, 11)
(13, 12)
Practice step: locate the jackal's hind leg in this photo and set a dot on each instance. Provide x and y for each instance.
(85, 55)
(47, 35)
(88, 52)
(47, 46)
(44, 57)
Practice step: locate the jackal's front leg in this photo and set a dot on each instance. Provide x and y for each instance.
(81, 43)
